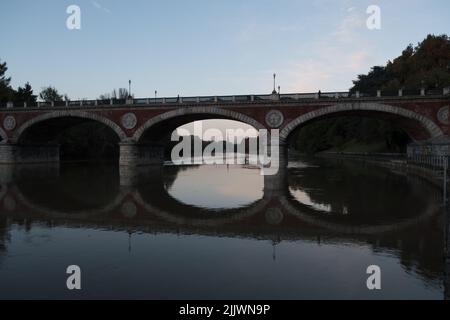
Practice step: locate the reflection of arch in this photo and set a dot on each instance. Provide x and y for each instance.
(431, 210)
(161, 213)
(425, 122)
(82, 214)
(199, 222)
(212, 111)
(155, 198)
(69, 114)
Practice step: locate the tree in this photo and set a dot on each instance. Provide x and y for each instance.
(50, 94)
(25, 94)
(123, 93)
(426, 65)
(105, 96)
(6, 91)
(3, 80)
(373, 81)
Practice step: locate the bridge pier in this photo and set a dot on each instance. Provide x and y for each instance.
(15, 153)
(132, 176)
(276, 184)
(134, 154)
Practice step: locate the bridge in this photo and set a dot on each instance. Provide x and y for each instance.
(29, 132)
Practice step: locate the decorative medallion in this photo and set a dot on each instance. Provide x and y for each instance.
(9, 123)
(274, 119)
(443, 115)
(129, 121)
(274, 216)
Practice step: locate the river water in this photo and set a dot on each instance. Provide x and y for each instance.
(220, 232)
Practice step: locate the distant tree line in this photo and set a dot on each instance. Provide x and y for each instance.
(7, 93)
(48, 94)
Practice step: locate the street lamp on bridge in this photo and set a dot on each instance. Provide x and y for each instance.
(129, 89)
(274, 84)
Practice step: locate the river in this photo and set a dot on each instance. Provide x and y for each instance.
(220, 232)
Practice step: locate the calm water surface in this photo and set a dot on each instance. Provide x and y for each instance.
(218, 232)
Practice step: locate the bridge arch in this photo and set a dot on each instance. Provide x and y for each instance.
(427, 124)
(68, 114)
(212, 112)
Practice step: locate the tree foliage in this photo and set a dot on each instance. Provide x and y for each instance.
(350, 134)
(122, 93)
(427, 65)
(25, 95)
(8, 94)
(6, 91)
(50, 94)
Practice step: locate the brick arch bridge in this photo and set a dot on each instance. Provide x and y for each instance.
(424, 118)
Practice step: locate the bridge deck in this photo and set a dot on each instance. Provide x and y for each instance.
(303, 98)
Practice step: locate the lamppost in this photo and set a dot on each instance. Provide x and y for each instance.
(129, 89)
(156, 94)
(274, 83)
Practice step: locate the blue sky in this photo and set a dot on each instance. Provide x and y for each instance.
(207, 47)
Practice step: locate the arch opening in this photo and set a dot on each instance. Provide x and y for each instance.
(364, 132)
(159, 128)
(403, 126)
(78, 138)
(200, 128)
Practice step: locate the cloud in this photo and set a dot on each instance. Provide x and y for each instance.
(349, 27)
(100, 7)
(308, 76)
(342, 53)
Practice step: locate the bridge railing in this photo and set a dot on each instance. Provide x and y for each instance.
(264, 98)
(439, 164)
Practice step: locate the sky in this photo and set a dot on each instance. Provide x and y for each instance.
(207, 47)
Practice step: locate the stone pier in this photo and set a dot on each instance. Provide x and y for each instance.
(24, 154)
(132, 176)
(276, 184)
(133, 154)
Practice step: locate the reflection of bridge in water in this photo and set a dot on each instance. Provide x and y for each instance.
(142, 199)
(141, 203)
